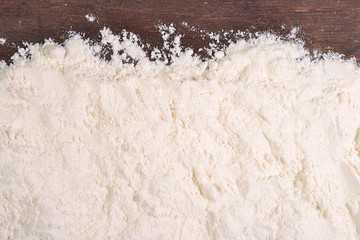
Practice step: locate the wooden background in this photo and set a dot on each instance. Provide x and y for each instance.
(326, 25)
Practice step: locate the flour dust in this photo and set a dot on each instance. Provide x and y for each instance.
(260, 141)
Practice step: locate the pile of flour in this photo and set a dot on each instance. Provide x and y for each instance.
(259, 142)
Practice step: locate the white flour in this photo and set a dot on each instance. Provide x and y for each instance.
(90, 17)
(257, 143)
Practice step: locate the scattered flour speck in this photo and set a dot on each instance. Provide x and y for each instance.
(90, 17)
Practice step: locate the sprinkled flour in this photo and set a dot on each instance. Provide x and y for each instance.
(259, 142)
(90, 17)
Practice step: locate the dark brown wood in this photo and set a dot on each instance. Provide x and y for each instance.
(327, 25)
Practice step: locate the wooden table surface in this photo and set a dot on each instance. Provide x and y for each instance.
(327, 25)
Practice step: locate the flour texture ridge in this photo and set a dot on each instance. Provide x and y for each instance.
(261, 141)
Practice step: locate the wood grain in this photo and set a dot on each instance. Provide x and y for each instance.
(326, 25)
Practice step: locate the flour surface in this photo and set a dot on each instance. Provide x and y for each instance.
(260, 142)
